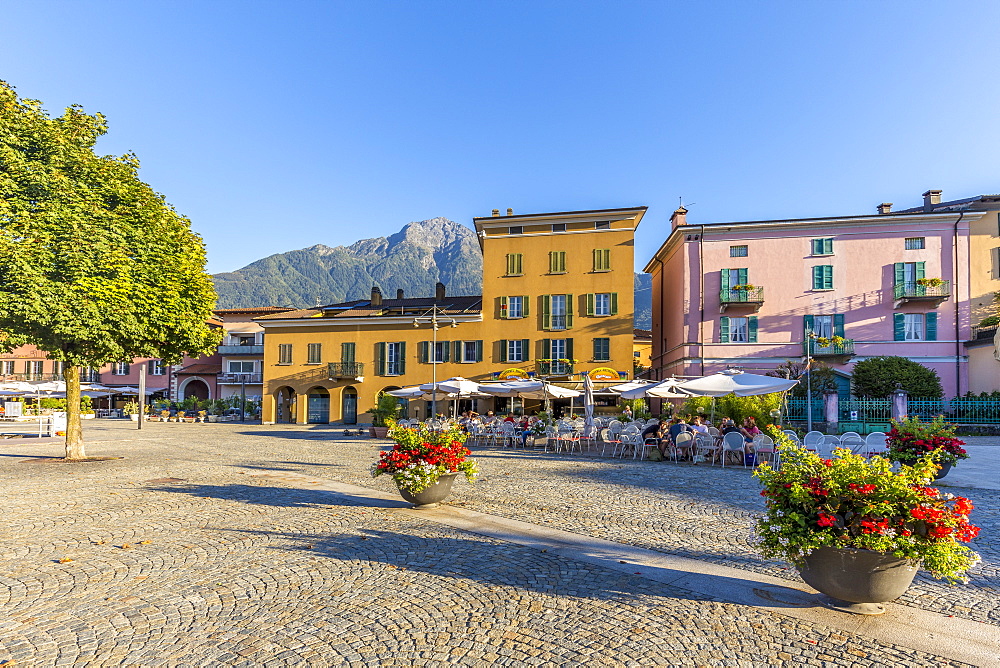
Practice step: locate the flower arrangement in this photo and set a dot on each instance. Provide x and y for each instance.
(909, 439)
(421, 456)
(852, 502)
(743, 286)
(824, 341)
(930, 282)
(561, 360)
(130, 408)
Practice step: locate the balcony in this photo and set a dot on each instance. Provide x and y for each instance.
(843, 350)
(338, 370)
(90, 376)
(32, 376)
(241, 378)
(241, 350)
(982, 334)
(752, 297)
(553, 368)
(918, 292)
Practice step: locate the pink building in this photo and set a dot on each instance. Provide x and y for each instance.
(750, 293)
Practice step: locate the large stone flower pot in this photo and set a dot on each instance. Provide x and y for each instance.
(433, 495)
(857, 581)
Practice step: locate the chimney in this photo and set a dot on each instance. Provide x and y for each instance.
(931, 197)
(678, 218)
(496, 213)
(439, 291)
(510, 212)
(376, 296)
(399, 293)
(885, 207)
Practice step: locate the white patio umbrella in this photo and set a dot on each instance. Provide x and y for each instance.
(631, 385)
(588, 407)
(665, 389)
(417, 392)
(736, 382)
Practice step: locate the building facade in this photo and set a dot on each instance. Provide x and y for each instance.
(557, 302)
(758, 294)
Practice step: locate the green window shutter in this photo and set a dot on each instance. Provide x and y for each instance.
(347, 352)
(546, 311)
(808, 324)
(724, 329)
(525, 350)
(898, 327)
(741, 277)
(569, 311)
(503, 307)
(930, 325)
(597, 259)
(445, 351)
(503, 350)
(546, 349)
(519, 260)
(590, 303)
(562, 261)
(380, 359)
(920, 272)
(569, 349)
(828, 246)
(510, 263)
(818, 277)
(606, 255)
(725, 279)
(552, 262)
(828, 277)
(899, 275)
(838, 324)
(457, 351)
(402, 358)
(479, 351)
(422, 356)
(597, 349)
(817, 246)
(524, 306)
(614, 303)
(752, 329)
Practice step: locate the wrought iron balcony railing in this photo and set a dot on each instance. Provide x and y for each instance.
(910, 291)
(337, 370)
(752, 296)
(241, 350)
(32, 376)
(549, 368)
(983, 333)
(239, 378)
(844, 348)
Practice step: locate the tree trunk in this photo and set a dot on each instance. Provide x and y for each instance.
(74, 428)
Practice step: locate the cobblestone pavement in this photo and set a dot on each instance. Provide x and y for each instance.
(173, 556)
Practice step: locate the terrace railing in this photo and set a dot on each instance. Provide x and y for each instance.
(345, 370)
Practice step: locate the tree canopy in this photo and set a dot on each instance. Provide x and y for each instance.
(95, 266)
(877, 377)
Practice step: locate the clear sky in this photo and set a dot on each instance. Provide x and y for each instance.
(279, 125)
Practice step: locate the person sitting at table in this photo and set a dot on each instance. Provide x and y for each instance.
(750, 428)
(698, 425)
(653, 432)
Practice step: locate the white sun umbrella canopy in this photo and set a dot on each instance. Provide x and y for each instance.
(529, 389)
(417, 392)
(665, 389)
(736, 382)
(631, 385)
(456, 385)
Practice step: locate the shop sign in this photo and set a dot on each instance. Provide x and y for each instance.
(604, 373)
(513, 374)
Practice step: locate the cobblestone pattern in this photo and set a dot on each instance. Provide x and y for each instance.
(105, 563)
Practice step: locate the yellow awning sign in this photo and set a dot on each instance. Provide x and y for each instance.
(514, 373)
(604, 373)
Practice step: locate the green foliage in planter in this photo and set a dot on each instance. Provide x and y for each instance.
(131, 408)
(52, 403)
(86, 405)
(386, 408)
(640, 411)
(877, 377)
(990, 321)
(738, 408)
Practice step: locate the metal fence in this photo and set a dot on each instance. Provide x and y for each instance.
(963, 410)
(797, 410)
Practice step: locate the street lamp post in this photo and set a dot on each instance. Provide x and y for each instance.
(809, 395)
(432, 317)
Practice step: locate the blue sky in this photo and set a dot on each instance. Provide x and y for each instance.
(278, 125)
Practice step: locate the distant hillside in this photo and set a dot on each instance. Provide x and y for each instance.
(414, 259)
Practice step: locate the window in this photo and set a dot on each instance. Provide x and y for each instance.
(120, 369)
(825, 326)
(822, 275)
(7, 368)
(557, 349)
(739, 251)
(514, 350)
(914, 243)
(557, 262)
(155, 367)
(240, 367)
(602, 225)
(440, 352)
(58, 367)
(472, 351)
(602, 303)
(602, 259)
(514, 307)
(822, 246)
(909, 273)
(738, 330)
(558, 312)
(558, 227)
(517, 229)
(347, 349)
(244, 341)
(602, 350)
(915, 326)
(284, 353)
(390, 358)
(314, 353)
(732, 277)
(514, 264)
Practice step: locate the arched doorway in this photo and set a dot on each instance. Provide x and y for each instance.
(349, 405)
(318, 406)
(196, 388)
(285, 405)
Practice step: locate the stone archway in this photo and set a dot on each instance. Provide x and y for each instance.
(286, 404)
(349, 405)
(318, 406)
(197, 388)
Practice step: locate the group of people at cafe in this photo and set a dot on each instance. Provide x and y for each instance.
(665, 432)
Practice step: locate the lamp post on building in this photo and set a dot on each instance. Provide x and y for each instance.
(432, 318)
(810, 336)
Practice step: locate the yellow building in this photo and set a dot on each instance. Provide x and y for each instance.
(642, 350)
(557, 302)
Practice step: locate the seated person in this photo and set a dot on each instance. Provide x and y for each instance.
(653, 431)
(698, 425)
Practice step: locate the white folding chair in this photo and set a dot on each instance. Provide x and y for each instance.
(875, 444)
(684, 441)
(792, 435)
(854, 443)
(764, 446)
(733, 442)
(813, 441)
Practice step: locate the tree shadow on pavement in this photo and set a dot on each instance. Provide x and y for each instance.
(262, 495)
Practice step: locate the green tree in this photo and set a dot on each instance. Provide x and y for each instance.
(95, 266)
(823, 378)
(877, 377)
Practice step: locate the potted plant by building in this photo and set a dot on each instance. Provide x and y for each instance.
(857, 530)
(910, 439)
(424, 463)
(87, 411)
(386, 409)
(131, 409)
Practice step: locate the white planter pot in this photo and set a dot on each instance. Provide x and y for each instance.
(134, 417)
(213, 418)
(87, 416)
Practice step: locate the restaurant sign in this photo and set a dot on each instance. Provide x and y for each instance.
(513, 374)
(604, 373)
